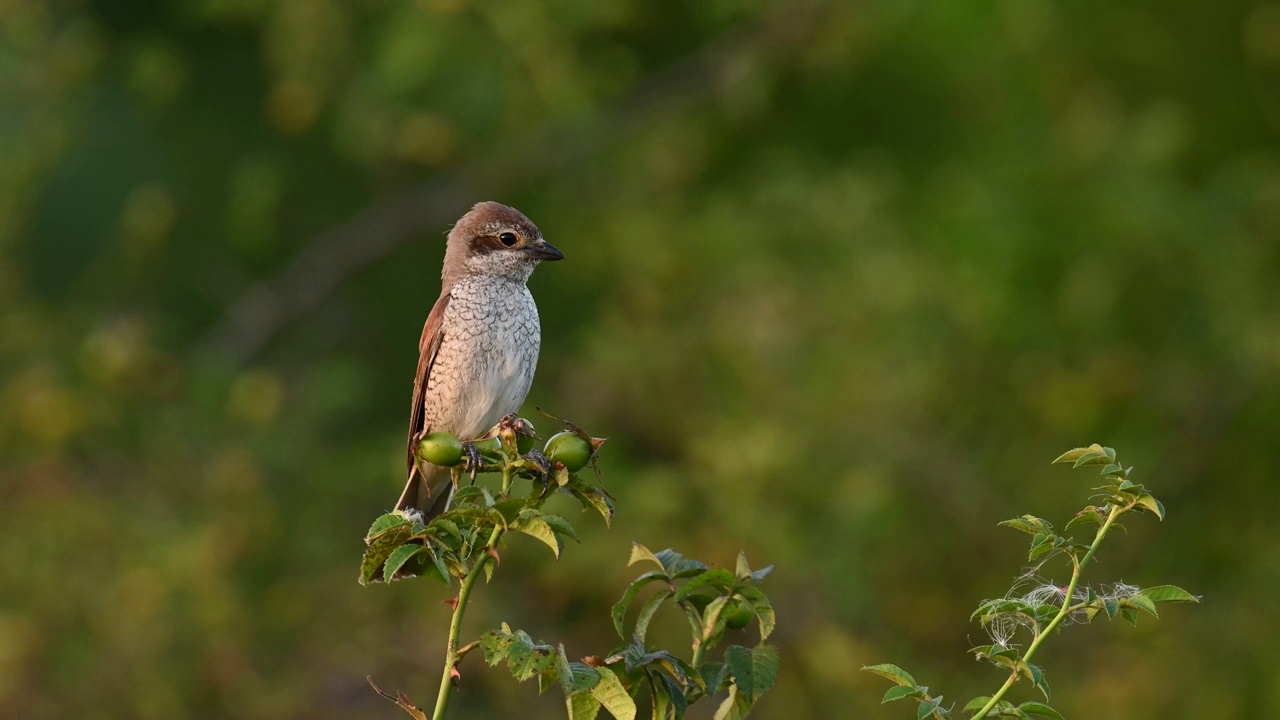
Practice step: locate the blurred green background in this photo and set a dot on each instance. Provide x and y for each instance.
(843, 277)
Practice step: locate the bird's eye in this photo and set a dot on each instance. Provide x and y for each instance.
(508, 239)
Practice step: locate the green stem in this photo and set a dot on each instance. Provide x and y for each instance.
(1077, 566)
(452, 654)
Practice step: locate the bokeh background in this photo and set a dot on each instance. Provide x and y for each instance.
(843, 277)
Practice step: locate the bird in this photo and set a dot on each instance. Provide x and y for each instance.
(479, 346)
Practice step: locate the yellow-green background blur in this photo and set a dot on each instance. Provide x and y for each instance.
(842, 278)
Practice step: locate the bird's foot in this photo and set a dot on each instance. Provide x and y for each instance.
(545, 469)
(472, 460)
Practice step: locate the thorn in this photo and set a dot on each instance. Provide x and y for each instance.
(454, 676)
(493, 553)
(451, 602)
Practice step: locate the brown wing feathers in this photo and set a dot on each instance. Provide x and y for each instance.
(428, 347)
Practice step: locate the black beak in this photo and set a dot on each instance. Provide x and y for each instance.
(545, 251)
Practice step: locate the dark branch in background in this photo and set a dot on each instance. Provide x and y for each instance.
(373, 234)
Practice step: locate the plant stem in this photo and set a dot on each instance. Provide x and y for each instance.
(452, 655)
(1077, 566)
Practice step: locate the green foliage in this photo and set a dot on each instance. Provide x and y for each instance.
(1047, 606)
(461, 542)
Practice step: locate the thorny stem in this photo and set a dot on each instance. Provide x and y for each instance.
(452, 654)
(1077, 566)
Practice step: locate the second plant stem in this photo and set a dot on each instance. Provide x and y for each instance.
(1077, 567)
(452, 656)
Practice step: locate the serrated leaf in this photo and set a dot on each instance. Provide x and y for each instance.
(754, 670)
(1036, 675)
(647, 610)
(1169, 593)
(1090, 458)
(928, 707)
(672, 694)
(897, 692)
(582, 707)
(1037, 708)
(640, 553)
(561, 526)
(494, 645)
(619, 611)
(592, 498)
(526, 658)
(718, 578)
(575, 677)
(891, 672)
(734, 707)
(712, 623)
(613, 696)
(1084, 517)
(759, 603)
(1130, 615)
(1143, 603)
(1072, 455)
(977, 703)
(1154, 506)
(398, 558)
(531, 523)
(1112, 607)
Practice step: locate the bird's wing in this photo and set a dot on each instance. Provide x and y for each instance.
(428, 347)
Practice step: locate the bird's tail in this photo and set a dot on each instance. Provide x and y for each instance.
(429, 493)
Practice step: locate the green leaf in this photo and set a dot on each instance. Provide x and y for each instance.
(1085, 517)
(613, 696)
(1036, 675)
(582, 707)
(647, 610)
(386, 522)
(734, 707)
(526, 658)
(575, 677)
(718, 578)
(712, 623)
(1112, 607)
(1143, 603)
(1029, 524)
(1130, 615)
(494, 644)
(619, 611)
(561, 526)
(977, 703)
(927, 708)
(640, 553)
(531, 523)
(744, 571)
(754, 670)
(1036, 708)
(897, 692)
(398, 558)
(591, 497)
(1091, 458)
(671, 694)
(759, 602)
(891, 672)
(1152, 505)
(1169, 593)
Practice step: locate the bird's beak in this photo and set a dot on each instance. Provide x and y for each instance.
(544, 251)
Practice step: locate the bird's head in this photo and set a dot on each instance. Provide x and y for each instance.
(494, 239)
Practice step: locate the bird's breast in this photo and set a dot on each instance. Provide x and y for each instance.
(487, 357)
